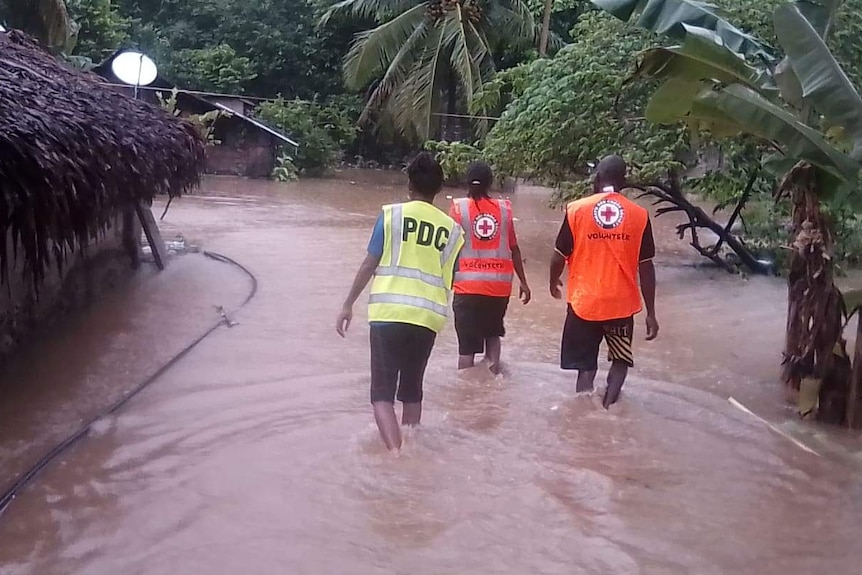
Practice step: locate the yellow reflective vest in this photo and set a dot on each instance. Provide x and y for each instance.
(413, 281)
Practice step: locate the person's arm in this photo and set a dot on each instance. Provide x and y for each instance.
(524, 290)
(646, 271)
(363, 276)
(518, 260)
(563, 249)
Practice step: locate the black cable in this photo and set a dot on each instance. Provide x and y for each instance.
(10, 494)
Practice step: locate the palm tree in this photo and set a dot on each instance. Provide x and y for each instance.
(546, 27)
(423, 50)
(808, 112)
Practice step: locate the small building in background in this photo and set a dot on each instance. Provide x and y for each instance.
(245, 146)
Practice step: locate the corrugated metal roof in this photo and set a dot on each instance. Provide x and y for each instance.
(254, 122)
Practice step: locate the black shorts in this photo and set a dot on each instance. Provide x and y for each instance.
(582, 338)
(399, 355)
(478, 317)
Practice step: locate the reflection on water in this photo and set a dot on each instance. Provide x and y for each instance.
(257, 453)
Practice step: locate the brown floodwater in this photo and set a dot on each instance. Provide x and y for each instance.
(257, 453)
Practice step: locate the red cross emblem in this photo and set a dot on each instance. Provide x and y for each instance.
(608, 214)
(485, 226)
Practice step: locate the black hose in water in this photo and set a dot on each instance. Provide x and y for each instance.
(10, 494)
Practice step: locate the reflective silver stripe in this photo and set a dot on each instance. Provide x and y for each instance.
(469, 253)
(464, 207)
(409, 300)
(411, 273)
(484, 277)
(396, 226)
(504, 227)
(454, 234)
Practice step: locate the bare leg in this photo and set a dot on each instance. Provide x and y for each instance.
(616, 379)
(585, 381)
(387, 424)
(465, 361)
(411, 413)
(492, 352)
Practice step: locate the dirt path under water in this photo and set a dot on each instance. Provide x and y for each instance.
(257, 454)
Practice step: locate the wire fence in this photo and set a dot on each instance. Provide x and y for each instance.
(205, 93)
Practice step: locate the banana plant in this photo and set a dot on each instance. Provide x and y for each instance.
(804, 107)
(725, 81)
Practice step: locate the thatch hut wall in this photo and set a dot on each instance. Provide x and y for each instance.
(74, 155)
(85, 277)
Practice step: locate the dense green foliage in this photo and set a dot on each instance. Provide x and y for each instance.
(561, 114)
(269, 46)
(325, 131)
(573, 109)
(217, 69)
(454, 157)
(102, 29)
(801, 107)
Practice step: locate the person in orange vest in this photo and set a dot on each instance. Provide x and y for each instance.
(607, 242)
(488, 262)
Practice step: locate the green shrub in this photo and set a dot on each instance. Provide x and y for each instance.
(285, 169)
(573, 109)
(454, 157)
(323, 130)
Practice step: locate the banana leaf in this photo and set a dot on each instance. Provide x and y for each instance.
(671, 102)
(824, 84)
(771, 122)
(703, 56)
(677, 100)
(819, 12)
(669, 17)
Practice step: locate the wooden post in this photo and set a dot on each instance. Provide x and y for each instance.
(856, 378)
(154, 237)
(132, 235)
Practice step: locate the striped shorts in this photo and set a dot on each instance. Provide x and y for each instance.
(582, 338)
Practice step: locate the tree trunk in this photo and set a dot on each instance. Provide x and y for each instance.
(546, 28)
(814, 346)
(450, 132)
(854, 413)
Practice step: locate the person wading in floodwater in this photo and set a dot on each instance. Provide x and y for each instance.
(412, 256)
(490, 258)
(607, 242)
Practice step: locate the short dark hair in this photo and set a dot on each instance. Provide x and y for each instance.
(425, 175)
(479, 177)
(611, 171)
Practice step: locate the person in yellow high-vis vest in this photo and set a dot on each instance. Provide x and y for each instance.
(412, 256)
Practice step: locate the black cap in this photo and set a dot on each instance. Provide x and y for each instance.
(479, 174)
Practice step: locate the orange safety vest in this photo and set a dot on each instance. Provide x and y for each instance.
(485, 266)
(608, 230)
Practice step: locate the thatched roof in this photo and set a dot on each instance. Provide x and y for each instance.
(73, 151)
